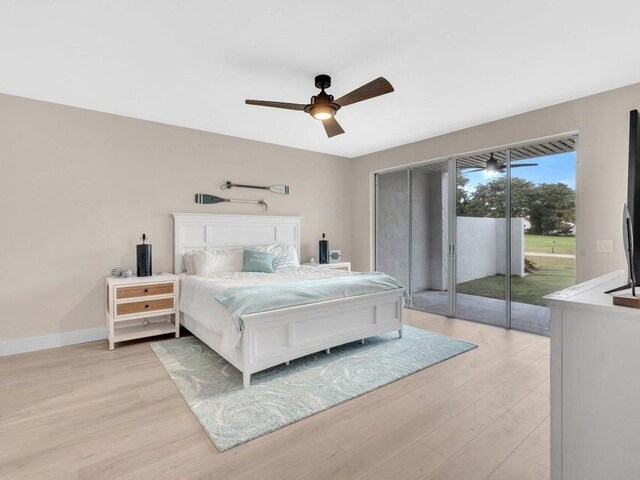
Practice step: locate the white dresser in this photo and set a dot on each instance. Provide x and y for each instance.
(595, 383)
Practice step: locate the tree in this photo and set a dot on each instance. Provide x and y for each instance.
(488, 199)
(462, 197)
(549, 206)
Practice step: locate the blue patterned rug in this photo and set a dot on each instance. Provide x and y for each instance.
(282, 395)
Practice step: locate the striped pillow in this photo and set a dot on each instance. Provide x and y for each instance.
(282, 262)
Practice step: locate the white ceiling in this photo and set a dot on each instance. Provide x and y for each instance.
(192, 63)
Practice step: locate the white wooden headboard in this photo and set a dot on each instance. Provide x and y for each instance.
(206, 230)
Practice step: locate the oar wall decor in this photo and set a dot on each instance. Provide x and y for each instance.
(279, 189)
(204, 198)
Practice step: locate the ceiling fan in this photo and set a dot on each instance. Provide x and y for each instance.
(324, 108)
(493, 165)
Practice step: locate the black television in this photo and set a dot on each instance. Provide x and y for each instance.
(631, 212)
(633, 187)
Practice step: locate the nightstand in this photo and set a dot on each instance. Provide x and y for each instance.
(333, 265)
(139, 307)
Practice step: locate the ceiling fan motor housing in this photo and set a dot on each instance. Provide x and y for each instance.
(323, 81)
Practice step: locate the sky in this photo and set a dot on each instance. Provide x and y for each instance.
(552, 169)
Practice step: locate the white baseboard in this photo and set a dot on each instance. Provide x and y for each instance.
(31, 344)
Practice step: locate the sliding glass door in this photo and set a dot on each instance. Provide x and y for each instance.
(543, 205)
(430, 238)
(482, 236)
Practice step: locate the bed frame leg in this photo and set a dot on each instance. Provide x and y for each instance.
(400, 333)
(328, 351)
(287, 362)
(362, 341)
(246, 379)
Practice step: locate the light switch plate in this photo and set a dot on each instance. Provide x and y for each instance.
(605, 246)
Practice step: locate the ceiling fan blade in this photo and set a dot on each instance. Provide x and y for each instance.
(375, 88)
(476, 170)
(285, 105)
(502, 168)
(524, 165)
(332, 127)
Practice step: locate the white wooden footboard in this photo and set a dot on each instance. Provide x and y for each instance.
(277, 336)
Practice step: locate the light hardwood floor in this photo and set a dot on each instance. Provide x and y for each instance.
(83, 412)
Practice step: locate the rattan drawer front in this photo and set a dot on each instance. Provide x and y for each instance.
(148, 306)
(144, 290)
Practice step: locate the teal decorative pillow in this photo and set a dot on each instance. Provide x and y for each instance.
(257, 262)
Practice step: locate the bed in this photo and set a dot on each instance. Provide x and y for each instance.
(276, 336)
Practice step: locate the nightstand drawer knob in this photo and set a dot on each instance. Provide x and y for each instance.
(146, 290)
(146, 306)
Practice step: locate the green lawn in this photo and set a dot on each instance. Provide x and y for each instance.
(548, 244)
(554, 274)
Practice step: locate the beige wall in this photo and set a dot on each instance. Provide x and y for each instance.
(79, 187)
(603, 124)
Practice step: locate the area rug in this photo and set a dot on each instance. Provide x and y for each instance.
(231, 414)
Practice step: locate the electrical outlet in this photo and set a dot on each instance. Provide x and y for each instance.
(605, 246)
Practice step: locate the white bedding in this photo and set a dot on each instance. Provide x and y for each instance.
(197, 296)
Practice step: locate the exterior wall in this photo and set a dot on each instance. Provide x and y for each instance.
(429, 231)
(517, 247)
(393, 221)
(421, 211)
(481, 247)
(476, 248)
(439, 233)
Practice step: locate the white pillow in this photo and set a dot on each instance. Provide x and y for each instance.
(217, 260)
(282, 263)
(187, 263)
(281, 250)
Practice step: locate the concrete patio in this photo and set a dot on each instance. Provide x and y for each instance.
(524, 317)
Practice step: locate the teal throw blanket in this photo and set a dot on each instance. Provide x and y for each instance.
(262, 298)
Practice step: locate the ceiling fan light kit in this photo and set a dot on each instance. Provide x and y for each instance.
(492, 164)
(323, 107)
(322, 112)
